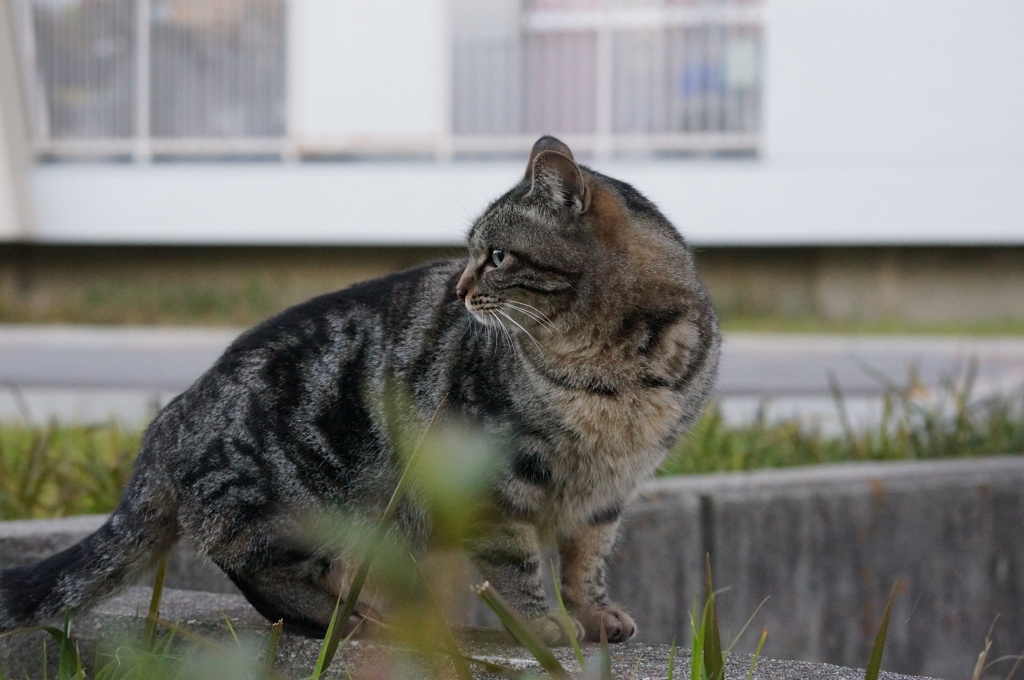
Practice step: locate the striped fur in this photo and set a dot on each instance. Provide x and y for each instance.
(577, 332)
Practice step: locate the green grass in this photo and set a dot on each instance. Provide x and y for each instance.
(917, 424)
(61, 470)
(741, 323)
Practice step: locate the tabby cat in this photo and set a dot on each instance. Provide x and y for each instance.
(578, 334)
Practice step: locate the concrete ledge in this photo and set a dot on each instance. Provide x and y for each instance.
(825, 544)
(122, 618)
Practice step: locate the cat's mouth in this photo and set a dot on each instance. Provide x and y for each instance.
(484, 310)
(510, 316)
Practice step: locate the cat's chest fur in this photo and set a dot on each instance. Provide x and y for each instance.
(604, 445)
(622, 427)
(611, 442)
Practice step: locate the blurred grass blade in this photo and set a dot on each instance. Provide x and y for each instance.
(875, 662)
(272, 642)
(713, 657)
(757, 654)
(697, 651)
(565, 617)
(334, 633)
(69, 661)
(1013, 671)
(671, 660)
(332, 639)
(153, 616)
(451, 645)
(231, 628)
(746, 625)
(605, 657)
(501, 671)
(521, 631)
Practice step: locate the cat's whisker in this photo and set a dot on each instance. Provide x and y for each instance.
(540, 322)
(533, 313)
(504, 329)
(494, 336)
(528, 334)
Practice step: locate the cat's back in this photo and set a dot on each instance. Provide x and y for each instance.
(390, 304)
(322, 354)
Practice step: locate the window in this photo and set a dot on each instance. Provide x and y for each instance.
(208, 78)
(143, 77)
(613, 75)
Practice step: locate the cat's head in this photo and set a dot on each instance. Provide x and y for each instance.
(567, 245)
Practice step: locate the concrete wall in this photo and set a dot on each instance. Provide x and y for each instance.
(825, 545)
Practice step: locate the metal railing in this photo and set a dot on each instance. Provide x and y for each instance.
(205, 78)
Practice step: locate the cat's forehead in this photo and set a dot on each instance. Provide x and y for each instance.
(505, 221)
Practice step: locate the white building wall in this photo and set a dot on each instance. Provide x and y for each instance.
(14, 157)
(885, 122)
(895, 81)
(368, 72)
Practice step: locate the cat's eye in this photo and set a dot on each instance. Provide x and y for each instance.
(497, 257)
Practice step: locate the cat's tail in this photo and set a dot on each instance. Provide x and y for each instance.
(140, 532)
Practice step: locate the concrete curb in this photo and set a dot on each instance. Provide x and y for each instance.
(825, 543)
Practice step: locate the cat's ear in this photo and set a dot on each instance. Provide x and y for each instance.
(555, 177)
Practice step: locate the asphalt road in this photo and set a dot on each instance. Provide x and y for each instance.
(47, 370)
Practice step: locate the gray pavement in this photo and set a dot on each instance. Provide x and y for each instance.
(205, 615)
(89, 373)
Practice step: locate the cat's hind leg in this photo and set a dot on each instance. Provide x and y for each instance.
(303, 591)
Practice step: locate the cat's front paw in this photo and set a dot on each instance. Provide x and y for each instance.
(551, 628)
(618, 625)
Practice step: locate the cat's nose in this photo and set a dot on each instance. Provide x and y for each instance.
(462, 292)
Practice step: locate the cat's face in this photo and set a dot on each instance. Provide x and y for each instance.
(569, 251)
(528, 251)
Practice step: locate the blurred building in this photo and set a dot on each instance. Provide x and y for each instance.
(783, 123)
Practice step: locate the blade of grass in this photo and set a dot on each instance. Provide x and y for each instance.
(746, 625)
(875, 662)
(334, 633)
(1009, 676)
(501, 671)
(231, 628)
(757, 654)
(270, 658)
(69, 662)
(671, 660)
(697, 651)
(149, 635)
(565, 617)
(605, 657)
(980, 665)
(714, 660)
(451, 645)
(521, 631)
(332, 639)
